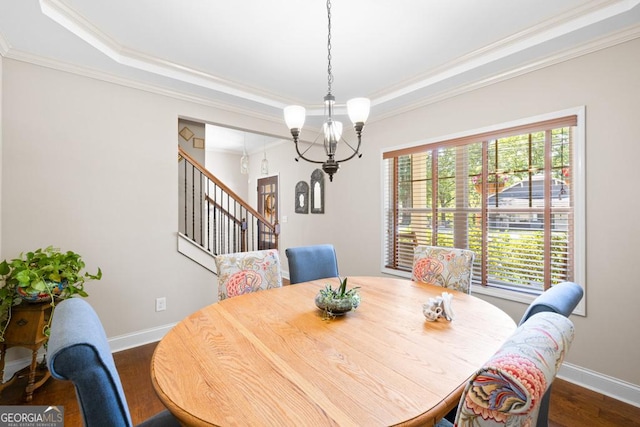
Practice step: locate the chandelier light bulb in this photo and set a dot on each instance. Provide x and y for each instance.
(294, 116)
(358, 109)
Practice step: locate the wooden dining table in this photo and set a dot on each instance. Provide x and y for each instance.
(272, 358)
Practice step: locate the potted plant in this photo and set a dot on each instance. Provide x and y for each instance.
(44, 275)
(336, 302)
(495, 184)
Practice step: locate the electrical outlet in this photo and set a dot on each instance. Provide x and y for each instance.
(161, 304)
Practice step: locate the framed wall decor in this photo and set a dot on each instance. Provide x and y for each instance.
(198, 142)
(302, 198)
(186, 133)
(317, 191)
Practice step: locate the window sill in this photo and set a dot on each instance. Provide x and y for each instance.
(505, 294)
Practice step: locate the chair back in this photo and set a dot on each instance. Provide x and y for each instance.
(311, 263)
(78, 351)
(561, 298)
(507, 390)
(448, 267)
(244, 272)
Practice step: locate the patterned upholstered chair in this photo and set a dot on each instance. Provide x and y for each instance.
(311, 263)
(562, 299)
(448, 267)
(508, 389)
(78, 351)
(244, 272)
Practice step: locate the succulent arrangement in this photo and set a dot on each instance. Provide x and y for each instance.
(336, 302)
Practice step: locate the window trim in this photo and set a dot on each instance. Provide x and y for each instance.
(579, 181)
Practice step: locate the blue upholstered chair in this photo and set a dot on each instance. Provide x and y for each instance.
(78, 351)
(311, 263)
(562, 299)
(508, 389)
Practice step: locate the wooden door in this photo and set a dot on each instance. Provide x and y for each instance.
(267, 207)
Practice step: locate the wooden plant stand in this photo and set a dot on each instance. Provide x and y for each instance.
(25, 329)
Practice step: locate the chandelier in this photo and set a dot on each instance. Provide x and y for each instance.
(357, 108)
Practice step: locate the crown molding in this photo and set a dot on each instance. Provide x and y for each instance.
(561, 25)
(608, 41)
(4, 46)
(578, 18)
(135, 84)
(68, 18)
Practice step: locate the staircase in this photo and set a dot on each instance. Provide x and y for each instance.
(214, 220)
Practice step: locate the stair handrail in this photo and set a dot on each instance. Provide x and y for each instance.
(220, 184)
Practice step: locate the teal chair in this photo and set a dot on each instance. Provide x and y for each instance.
(311, 263)
(78, 351)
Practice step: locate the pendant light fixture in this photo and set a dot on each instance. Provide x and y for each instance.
(264, 166)
(357, 108)
(244, 160)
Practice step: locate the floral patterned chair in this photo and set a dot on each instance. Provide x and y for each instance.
(508, 389)
(244, 272)
(447, 267)
(561, 298)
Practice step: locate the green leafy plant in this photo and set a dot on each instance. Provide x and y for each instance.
(340, 293)
(339, 300)
(48, 274)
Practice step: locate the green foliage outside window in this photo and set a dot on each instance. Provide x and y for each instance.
(515, 253)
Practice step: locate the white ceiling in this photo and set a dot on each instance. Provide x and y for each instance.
(258, 56)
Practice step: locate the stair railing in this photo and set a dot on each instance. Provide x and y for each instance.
(215, 217)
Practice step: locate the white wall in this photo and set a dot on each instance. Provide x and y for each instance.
(226, 167)
(1, 133)
(91, 166)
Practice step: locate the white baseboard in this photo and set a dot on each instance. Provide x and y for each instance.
(604, 384)
(136, 339)
(117, 343)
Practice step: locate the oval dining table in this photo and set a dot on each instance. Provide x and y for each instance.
(271, 358)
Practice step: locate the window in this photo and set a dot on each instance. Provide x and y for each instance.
(513, 194)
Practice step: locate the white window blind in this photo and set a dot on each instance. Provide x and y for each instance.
(505, 194)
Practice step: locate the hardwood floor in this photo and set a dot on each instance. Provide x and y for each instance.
(571, 406)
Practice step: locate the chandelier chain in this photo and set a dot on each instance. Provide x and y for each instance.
(329, 73)
(358, 109)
